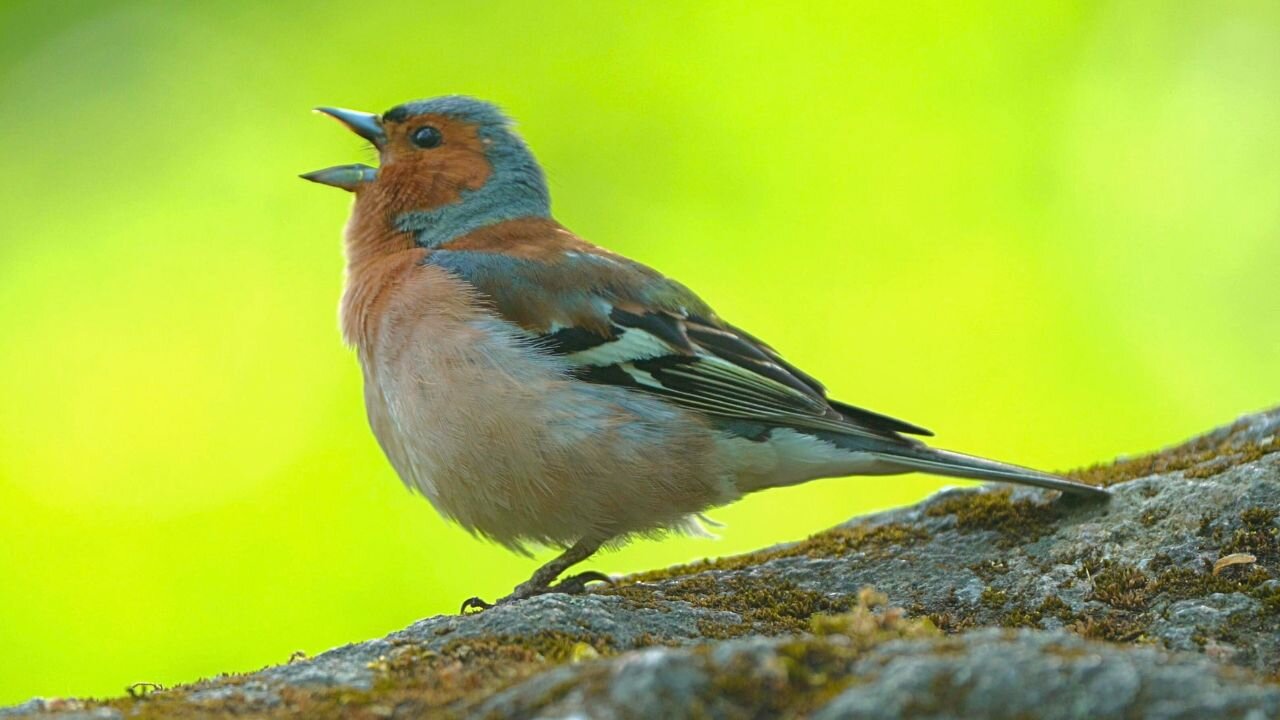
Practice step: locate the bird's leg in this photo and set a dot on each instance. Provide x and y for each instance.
(542, 578)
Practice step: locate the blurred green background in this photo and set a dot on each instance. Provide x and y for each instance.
(1048, 231)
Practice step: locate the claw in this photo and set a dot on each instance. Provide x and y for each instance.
(578, 583)
(474, 603)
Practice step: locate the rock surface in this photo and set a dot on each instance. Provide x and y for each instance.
(1162, 603)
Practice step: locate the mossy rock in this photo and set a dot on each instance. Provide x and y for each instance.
(1163, 602)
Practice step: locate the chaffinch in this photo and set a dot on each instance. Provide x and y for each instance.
(539, 389)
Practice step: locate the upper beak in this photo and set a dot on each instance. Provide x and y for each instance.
(366, 125)
(350, 177)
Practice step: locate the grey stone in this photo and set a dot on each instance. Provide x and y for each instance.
(1165, 636)
(31, 706)
(983, 674)
(1044, 675)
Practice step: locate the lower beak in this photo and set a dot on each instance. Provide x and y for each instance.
(347, 177)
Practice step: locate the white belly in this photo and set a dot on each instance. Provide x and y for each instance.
(500, 440)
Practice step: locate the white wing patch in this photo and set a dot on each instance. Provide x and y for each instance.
(633, 345)
(655, 350)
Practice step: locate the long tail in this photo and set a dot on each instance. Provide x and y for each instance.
(954, 464)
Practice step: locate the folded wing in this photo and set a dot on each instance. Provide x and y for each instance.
(617, 322)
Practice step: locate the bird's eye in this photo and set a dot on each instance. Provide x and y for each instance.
(427, 137)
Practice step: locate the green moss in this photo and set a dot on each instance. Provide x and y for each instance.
(989, 569)
(413, 677)
(644, 640)
(871, 621)
(952, 615)
(1199, 458)
(1017, 521)
(1181, 583)
(992, 598)
(803, 674)
(1261, 517)
(816, 667)
(416, 680)
(1051, 606)
(1113, 627)
(177, 704)
(1258, 535)
(1130, 592)
(1055, 606)
(874, 540)
(767, 606)
(1121, 586)
(1020, 617)
(409, 681)
(812, 672)
(1270, 599)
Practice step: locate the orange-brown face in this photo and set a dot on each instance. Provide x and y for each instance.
(427, 161)
(449, 166)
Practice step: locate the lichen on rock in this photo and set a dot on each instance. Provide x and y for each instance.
(989, 602)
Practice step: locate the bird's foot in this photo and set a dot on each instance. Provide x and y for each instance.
(572, 585)
(474, 604)
(577, 584)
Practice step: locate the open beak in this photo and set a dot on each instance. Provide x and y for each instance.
(350, 177)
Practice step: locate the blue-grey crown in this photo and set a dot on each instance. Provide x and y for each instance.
(515, 189)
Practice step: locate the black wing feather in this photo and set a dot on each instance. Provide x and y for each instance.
(715, 369)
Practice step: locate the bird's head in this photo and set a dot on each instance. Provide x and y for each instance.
(447, 166)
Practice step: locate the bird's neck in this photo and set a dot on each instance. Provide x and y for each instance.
(371, 231)
(377, 253)
(382, 241)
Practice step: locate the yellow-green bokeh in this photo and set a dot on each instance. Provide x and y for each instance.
(1050, 231)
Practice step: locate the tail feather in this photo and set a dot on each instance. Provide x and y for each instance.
(954, 464)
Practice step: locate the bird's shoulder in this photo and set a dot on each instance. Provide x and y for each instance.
(619, 322)
(538, 274)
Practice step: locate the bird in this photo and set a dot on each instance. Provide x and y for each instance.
(542, 391)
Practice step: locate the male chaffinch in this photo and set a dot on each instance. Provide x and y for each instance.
(537, 388)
